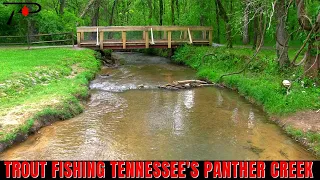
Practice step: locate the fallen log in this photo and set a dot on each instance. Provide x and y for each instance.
(185, 84)
(191, 81)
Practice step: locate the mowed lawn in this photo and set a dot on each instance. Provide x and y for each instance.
(38, 81)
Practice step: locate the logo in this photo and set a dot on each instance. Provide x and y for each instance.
(24, 11)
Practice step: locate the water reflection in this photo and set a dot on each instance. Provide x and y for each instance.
(188, 98)
(251, 119)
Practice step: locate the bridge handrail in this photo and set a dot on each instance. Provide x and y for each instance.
(142, 28)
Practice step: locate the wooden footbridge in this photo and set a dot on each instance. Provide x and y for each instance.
(139, 37)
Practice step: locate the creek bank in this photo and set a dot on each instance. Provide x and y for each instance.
(261, 84)
(47, 97)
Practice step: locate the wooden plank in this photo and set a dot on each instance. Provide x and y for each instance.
(144, 35)
(12, 43)
(34, 35)
(185, 35)
(12, 36)
(190, 36)
(78, 39)
(82, 35)
(39, 42)
(124, 39)
(169, 39)
(101, 39)
(210, 38)
(204, 34)
(164, 34)
(146, 38)
(152, 40)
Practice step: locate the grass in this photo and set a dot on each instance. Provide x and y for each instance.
(36, 85)
(261, 83)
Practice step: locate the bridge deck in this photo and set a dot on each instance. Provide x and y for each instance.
(99, 37)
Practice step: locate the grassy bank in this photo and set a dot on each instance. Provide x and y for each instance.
(261, 83)
(41, 86)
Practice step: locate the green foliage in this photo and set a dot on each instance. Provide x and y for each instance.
(48, 21)
(313, 138)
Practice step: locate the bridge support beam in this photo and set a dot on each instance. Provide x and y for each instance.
(101, 33)
(146, 36)
(79, 39)
(169, 39)
(210, 38)
(82, 36)
(124, 39)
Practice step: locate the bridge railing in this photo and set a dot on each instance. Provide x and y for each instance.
(97, 36)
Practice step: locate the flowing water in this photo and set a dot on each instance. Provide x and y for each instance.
(123, 121)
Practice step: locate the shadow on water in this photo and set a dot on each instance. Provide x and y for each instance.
(129, 118)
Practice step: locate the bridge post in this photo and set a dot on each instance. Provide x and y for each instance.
(210, 37)
(124, 39)
(146, 38)
(169, 39)
(185, 35)
(204, 34)
(101, 39)
(164, 34)
(144, 35)
(79, 39)
(190, 36)
(82, 36)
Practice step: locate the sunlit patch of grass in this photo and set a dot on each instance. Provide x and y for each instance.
(40, 79)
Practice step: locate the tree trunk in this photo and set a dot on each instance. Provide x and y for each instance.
(218, 23)
(161, 15)
(311, 68)
(178, 10)
(84, 12)
(150, 11)
(95, 18)
(245, 29)
(62, 5)
(255, 31)
(201, 13)
(258, 30)
(312, 64)
(172, 12)
(161, 12)
(281, 34)
(32, 25)
(111, 17)
(224, 16)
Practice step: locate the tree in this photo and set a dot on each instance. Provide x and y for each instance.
(245, 36)
(311, 58)
(224, 16)
(172, 12)
(111, 17)
(281, 34)
(62, 5)
(150, 11)
(218, 23)
(95, 17)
